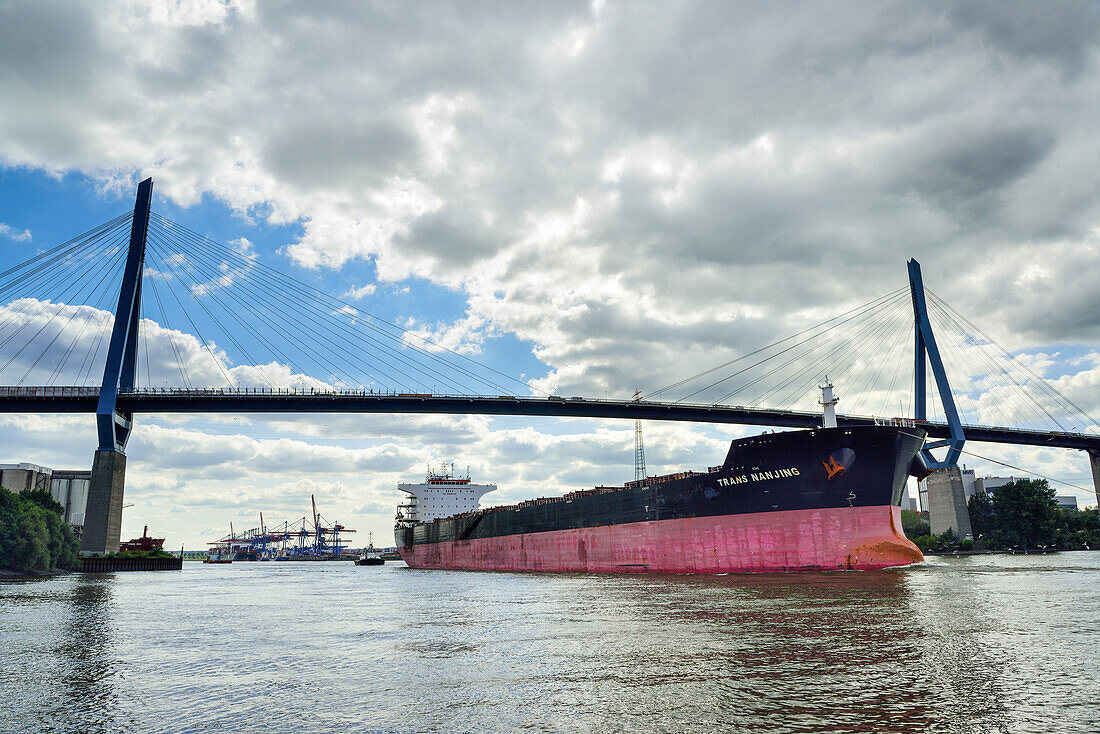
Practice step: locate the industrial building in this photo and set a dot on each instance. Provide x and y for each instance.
(1066, 502)
(68, 488)
(970, 485)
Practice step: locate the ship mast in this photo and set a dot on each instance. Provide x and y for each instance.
(828, 402)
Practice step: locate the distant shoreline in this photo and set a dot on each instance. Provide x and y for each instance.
(1028, 552)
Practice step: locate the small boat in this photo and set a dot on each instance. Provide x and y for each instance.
(369, 556)
(218, 555)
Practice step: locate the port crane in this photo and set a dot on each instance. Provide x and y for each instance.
(300, 540)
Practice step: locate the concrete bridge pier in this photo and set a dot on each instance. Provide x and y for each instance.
(947, 508)
(1094, 460)
(103, 517)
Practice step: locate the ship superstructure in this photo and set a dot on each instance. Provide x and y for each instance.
(442, 494)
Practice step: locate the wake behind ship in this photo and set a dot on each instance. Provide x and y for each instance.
(810, 500)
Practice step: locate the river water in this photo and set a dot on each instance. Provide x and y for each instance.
(983, 643)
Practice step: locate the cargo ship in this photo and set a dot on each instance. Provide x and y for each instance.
(805, 500)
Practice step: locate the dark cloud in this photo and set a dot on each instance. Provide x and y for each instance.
(451, 235)
(1061, 33)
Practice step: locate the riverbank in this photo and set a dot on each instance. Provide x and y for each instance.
(11, 574)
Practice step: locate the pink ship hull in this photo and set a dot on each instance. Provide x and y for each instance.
(864, 538)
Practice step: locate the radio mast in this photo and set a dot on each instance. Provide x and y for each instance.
(639, 446)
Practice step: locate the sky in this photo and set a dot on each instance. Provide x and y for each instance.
(590, 197)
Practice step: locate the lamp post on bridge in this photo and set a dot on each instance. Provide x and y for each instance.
(103, 518)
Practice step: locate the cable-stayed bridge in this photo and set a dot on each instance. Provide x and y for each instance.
(142, 315)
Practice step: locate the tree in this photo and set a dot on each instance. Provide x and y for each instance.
(43, 499)
(982, 520)
(1080, 529)
(913, 525)
(33, 538)
(1026, 513)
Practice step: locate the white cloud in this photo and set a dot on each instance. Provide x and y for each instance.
(14, 234)
(464, 337)
(357, 293)
(244, 246)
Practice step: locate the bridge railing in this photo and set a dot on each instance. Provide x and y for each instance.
(48, 392)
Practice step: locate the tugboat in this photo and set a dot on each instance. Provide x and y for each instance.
(369, 556)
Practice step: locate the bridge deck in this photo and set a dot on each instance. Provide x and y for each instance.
(85, 399)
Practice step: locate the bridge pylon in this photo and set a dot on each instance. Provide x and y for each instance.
(946, 498)
(103, 518)
(926, 352)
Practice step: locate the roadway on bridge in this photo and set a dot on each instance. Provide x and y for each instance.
(85, 400)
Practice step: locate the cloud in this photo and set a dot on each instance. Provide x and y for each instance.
(463, 337)
(14, 234)
(357, 293)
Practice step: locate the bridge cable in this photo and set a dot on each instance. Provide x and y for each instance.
(101, 286)
(405, 335)
(1036, 378)
(60, 306)
(79, 240)
(198, 335)
(1030, 403)
(899, 361)
(260, 319)
(167, 328)
(110, 261)
(262, 294)
(846, 335)
(728, 363)
(253, 362)
(852, 364)
(343, 329)
(855, 324)
(100, 312)
(845, 352)
(335, 370)
(54, 270)
(856, 315)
